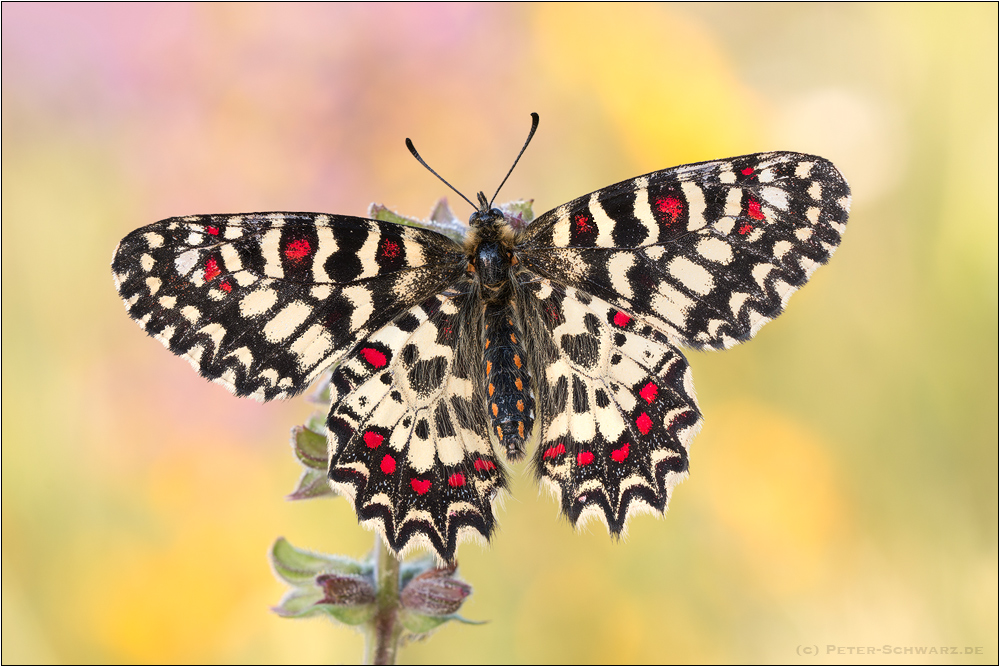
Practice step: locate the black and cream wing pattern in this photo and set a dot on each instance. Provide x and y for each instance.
(556, 338)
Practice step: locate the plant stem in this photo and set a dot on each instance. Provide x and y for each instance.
(384, 631)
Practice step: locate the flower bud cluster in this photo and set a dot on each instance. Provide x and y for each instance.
(344, 589)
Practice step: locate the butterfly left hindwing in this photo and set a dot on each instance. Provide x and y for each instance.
(619, 406)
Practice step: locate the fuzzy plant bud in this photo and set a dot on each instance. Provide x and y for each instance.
(431, 598)
(334, 586)
(346, 589)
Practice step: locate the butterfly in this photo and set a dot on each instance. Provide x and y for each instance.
(557, 336)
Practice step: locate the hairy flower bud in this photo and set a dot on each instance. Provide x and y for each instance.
(345, 589)
(435, 593)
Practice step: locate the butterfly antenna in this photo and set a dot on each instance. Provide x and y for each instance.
(409, 144)
(534, 126)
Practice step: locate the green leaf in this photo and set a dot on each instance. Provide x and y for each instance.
(520, 208)
(299, 603)
(309, 447)
(303, 603)
(355, 615)
(442, 220)
(317, 422)
(312, 484)
(384, 214)
(298, 566)
(419, 624)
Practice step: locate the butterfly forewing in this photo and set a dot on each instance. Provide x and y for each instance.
(708, 252)
(264, 302)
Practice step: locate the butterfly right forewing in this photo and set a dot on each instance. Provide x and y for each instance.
(264, 302)
(708, 252)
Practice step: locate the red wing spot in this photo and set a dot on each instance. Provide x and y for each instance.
(421, 486)
(226, 287)
(746, 171)
(644, 423)
(373, 440)
(390, 249)
(670, 207)
(753, 210)
(482, 464)
(212, 269)
(582, 222)
(621, 319)
(553, 452)
(373, 357)
(389, 465)
(585, 458)
(649, 392)
(745, 229)
(297, 249)
(214, 231)
(458, 479)
(621, 453)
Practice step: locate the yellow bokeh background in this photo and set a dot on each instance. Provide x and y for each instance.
(843, 492)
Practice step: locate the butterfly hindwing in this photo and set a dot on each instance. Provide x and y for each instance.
(264, 302)
(708, 252)
(619, 410)
(408, 430)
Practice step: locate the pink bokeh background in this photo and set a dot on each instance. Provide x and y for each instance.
(843, 491)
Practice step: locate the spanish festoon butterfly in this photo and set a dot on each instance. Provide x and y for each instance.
(557, 336)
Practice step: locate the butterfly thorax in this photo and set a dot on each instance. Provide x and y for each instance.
(489, 247)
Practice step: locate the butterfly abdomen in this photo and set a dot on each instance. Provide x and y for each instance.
(511, 405)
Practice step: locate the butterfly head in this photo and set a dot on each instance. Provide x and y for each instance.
(486, 216)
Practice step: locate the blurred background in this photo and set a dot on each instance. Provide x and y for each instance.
(843, 491)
